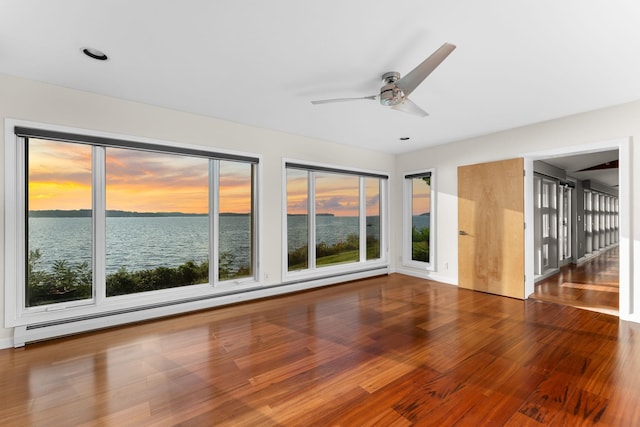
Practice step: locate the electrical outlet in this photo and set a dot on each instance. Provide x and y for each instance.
(446, 265)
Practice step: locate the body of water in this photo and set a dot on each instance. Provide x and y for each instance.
(138, 243)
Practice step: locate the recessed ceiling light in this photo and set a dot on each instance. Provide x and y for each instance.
(404, 138)
(95, 54)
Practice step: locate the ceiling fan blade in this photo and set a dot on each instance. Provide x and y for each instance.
(408, 106)
(607, 165)
(411, 81)
(328, 101)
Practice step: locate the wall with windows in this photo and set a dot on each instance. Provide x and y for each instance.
(583, 131)
(30, 101)
(42, 103)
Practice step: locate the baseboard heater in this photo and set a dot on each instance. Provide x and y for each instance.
(75, 325)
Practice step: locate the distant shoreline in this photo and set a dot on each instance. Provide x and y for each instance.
(86, 213)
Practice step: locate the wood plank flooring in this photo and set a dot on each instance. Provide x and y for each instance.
(388, 351)
(592, 285)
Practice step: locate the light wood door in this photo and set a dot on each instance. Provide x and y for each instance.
(491, 227)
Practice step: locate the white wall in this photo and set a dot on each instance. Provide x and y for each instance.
(579, 131)
(28, 100)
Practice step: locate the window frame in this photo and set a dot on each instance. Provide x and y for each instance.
(407, 222)
(312, 271)
(16, 312)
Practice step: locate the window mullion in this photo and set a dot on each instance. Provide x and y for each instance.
(19, 234)
(255, 247)
(99, 219)
(362, 220)
(214, 220)
(384, 214)
(311, 200)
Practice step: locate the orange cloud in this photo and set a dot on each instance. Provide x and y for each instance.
(156, 182)
(60, 178)
(372, 196)
(421, 198)
(335, 193)
(297, 192)
(235, 187)
(59, 175)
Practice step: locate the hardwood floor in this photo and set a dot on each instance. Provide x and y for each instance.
(387, 351)
(592, 285)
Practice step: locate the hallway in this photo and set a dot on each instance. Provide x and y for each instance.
(592, 285)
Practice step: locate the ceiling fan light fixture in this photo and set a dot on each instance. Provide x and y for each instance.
(95, 54)
(391, 95)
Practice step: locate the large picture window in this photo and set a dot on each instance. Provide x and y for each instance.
(418, 220)
(334, 218)
(99, 218)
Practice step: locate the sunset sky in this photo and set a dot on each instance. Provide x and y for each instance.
(335, 193)
(59, 175)
(60, 178)
(421, 202)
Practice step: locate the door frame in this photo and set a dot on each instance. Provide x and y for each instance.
(629, 299)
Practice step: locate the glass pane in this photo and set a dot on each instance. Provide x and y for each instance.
(372, 196)
(59, 230)
(157, 221)
(553, 213)
(553, 195)
(566, 222)
(537, 182)
(561, 217)
(297, 219)
(545, 225)
(420, 217)
(236, 220)
(602, 222)
(337, 218)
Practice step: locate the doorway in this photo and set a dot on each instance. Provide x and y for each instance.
(573, 250)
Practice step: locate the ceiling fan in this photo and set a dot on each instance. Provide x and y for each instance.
(396, 90)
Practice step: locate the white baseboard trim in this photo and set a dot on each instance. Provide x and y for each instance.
(429, 275)
(44, 331)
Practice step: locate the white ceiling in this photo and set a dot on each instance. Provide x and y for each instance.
(261, 62)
